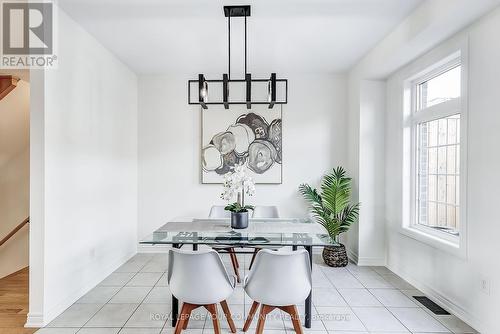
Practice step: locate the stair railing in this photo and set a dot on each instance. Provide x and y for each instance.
(14, 231)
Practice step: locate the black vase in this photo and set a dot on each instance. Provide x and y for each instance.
(239, 220)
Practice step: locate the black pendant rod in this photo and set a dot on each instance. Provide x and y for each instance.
(203, 83)
(229, 45)
(245, 44)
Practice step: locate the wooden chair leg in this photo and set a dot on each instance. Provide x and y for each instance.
(189, 311)
(235, 267)
(264, 311)
(294, 314)
(231, 251)
(229, 318)
(212, 309)
(184, 317)
(255, 251)
(186, 322)
(250, 316)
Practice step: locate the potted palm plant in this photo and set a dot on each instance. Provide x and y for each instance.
(332, 208)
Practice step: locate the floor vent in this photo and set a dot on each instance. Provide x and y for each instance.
(435, 308)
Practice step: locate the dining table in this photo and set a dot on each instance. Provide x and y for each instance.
(260, 233)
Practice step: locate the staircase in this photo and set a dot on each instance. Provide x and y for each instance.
(14, 292)
(14, 295)
(7, 84)
(14, 288)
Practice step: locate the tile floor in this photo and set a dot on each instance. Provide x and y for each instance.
(135, 299)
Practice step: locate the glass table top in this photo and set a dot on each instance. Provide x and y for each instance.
(260, 232)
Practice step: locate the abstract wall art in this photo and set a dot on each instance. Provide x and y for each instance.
(252, 137)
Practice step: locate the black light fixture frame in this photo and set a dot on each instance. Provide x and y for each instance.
(225, 99)
(237, 11)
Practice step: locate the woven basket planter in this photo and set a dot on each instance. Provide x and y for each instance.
(335, 256)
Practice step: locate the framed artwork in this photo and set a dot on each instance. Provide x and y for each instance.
(238, 135)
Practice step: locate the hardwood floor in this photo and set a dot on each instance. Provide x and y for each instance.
(14, 303)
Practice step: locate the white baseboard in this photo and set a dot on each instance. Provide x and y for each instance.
(371, 261)
(34, 320)
(43, 319)
(365, 261)
(142, 248)
(352, 255)
(443, 301)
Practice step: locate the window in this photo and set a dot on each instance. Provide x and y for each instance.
(444, 87)
(435, 122)
(438, 177)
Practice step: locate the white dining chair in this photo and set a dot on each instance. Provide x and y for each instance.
(199, 278)
(263, 211)
(218, 212)
(278, 280)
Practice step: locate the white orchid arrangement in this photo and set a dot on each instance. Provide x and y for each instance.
(237, 183)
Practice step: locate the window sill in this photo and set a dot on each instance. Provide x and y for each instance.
(449, 244)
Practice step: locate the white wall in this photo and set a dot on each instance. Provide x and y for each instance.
(366, 240)
(429, 24)
(453, 282)
(84, 196)
(456, 282)
(371, 225)
(314, 141)
(14, 176)
(37, 199)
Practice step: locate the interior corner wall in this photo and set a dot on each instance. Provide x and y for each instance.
(372, 245)
(366, 240)
(314, 142)
(37, 200)
(84, 190)
(353, 124)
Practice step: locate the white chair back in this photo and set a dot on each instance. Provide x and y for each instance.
(198, 277)
(263, 211)
(217, 211)
(279, 278)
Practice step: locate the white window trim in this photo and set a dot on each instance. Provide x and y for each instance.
(456, 245)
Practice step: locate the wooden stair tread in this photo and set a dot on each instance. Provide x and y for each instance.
(11, 310)
(14, 299)
(18, 330)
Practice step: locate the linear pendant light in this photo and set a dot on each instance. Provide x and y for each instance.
(202, 83)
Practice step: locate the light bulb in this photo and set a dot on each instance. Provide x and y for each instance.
(204, 91)
(269, 92)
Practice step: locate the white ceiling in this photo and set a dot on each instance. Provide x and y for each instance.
(181, 36)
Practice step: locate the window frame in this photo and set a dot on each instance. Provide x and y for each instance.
(413, 117)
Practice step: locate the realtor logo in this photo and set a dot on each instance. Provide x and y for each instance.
(27, 34)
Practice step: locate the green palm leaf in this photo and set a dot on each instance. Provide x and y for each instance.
(332, 207)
